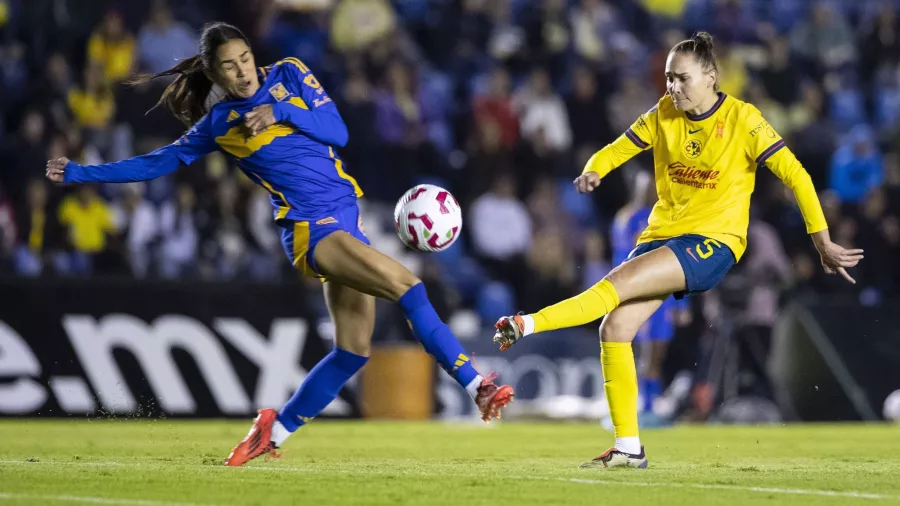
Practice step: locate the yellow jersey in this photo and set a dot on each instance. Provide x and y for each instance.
(117, 57)
(88, 223)
(92, 111)
(705, 167)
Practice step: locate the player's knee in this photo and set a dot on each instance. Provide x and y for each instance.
(619, 279)
(617, 330)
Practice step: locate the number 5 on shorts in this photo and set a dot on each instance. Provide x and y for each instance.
(709, 251)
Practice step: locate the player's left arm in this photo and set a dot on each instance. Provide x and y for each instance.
(312, 112)
(766, 147)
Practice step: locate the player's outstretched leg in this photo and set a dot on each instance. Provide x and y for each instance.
(655, 273)
(353, 314)
(440, 342)
(345, 259)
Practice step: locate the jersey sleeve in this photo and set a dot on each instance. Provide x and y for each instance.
(312, 112)
(761, 140)
(196, 143)
(639, 137)
(766, 147)
(643, 131)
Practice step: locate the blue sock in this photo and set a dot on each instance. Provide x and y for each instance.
(652, 389)
(435, 335)
(320, 387)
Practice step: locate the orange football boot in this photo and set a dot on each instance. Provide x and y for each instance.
(258, 441)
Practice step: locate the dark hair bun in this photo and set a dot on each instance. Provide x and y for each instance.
(703, 40)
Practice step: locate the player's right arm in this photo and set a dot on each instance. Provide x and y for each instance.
(766, 147)
(191, 146)
(639, 137)
(312, 112)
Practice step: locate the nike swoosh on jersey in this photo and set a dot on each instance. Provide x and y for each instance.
(694, 131)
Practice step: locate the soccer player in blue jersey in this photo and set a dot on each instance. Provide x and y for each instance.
(656, 333)
(281, 128)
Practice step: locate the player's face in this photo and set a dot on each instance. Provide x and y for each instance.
(687, 83)
(235, 70)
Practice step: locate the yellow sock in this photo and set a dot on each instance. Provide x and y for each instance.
(595, 302)
(620, 384)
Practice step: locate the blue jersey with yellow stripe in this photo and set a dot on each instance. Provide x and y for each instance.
(294, 159)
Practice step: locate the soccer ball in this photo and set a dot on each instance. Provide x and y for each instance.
(427, 218)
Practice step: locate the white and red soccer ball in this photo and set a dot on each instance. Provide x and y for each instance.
(428, 218)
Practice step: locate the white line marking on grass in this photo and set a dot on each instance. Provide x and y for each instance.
(586, 481)
(92, 500)
(74, 463)
(66, 462)
(702, 486)
(145, 464)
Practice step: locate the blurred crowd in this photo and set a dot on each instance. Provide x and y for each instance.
(500, 101)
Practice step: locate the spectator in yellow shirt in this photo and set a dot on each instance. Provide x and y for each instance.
(92, 103)
(113, 47)
(88, 219)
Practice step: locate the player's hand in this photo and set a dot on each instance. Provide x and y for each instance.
(56, 169)
(587, 182)
(836, 259)
(259, 119)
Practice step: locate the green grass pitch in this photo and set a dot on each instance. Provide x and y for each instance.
(164, 462)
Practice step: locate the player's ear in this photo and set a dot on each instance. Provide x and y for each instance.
(711, 79)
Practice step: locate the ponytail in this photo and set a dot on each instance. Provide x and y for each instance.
(186, 95)
(702, 47)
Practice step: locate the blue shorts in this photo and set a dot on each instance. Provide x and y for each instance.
(661, 324)
(299, 238)
(705, 261)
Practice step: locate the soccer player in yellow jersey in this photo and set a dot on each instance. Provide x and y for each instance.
(707, 148)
